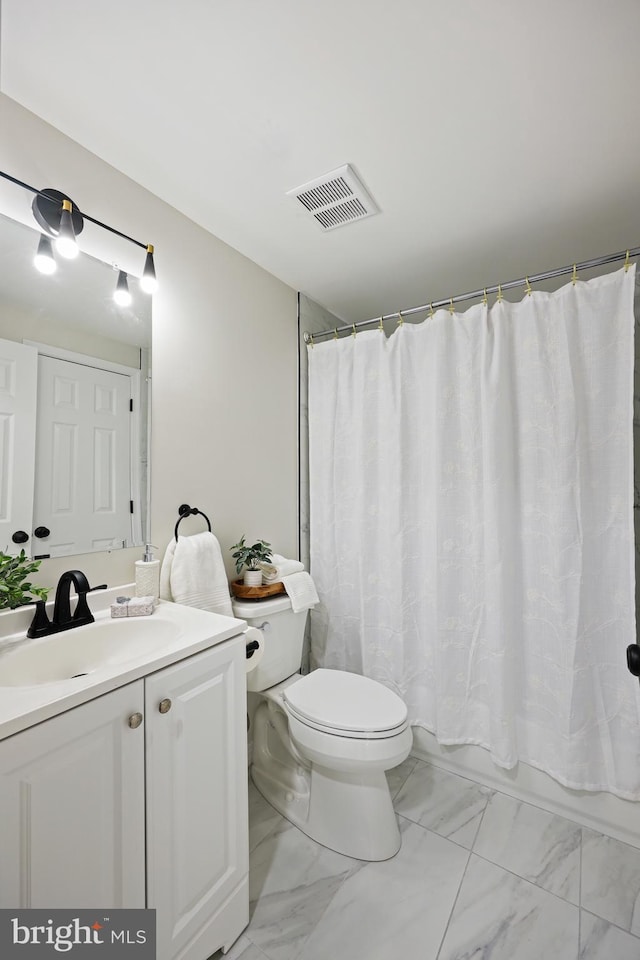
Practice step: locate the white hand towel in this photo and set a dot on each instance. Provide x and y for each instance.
(193, 573)
(301, 590)
(280, 567)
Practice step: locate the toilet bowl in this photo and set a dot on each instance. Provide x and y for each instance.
(322, 742)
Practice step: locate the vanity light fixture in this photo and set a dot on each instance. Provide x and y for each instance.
(44, 260)
(61, 220)
(121, 294)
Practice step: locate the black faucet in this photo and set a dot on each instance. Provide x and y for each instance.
(41, 626)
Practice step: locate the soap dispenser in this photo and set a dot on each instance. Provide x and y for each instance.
(148, 575)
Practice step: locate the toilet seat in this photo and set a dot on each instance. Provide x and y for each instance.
(345, 704)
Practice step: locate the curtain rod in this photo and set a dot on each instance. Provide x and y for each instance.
(497, 288)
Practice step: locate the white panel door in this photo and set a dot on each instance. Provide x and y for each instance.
(72, 808)
(197, 829)
(83, 482)
(18, 383)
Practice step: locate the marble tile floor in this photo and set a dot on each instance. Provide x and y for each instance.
(480, 876)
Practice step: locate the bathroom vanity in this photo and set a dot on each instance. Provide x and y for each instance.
(126, 786)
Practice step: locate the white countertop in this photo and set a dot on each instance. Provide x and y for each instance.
(193, 630)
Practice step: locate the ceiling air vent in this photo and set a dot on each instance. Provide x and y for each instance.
(335, 199)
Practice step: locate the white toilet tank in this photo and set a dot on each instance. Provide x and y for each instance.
(283, 632)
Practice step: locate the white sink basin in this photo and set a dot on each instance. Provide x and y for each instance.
(84, 650)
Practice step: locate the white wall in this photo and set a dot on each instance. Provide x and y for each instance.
(224, 382)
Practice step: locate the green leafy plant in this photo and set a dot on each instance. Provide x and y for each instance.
(15, 589)
(251, 556)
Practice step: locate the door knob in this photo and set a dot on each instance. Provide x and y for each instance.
(633, 659)
(135, 720)
(42, 532)
(20, 536)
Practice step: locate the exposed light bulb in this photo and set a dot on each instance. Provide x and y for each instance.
(148, 281)
(66, 241)
(44, 260)
(121, 293)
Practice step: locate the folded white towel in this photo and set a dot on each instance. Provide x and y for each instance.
(301, 590)
(193, 573)
(278, 568)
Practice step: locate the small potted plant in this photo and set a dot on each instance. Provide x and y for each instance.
(15, 589)
(251, 557)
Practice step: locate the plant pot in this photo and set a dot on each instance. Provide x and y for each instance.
(253, 578)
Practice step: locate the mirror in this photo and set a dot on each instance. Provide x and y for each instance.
(74, 404)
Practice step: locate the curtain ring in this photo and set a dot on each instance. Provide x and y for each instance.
(574, 275)
(431, 309)
(354, 330)
(400, 319)
(485, 299)
(451, 306)
(526, 280)
(335, 333)
(626, 262)
(380, 326)
(311, 340)
(499, 293)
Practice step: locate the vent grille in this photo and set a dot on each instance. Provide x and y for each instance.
(335, 199)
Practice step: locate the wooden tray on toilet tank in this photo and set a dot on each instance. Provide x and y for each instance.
(239, 590)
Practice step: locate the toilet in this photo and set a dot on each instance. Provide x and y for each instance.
(322, 742)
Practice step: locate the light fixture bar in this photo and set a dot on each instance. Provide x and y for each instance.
(78, 216)
(118, 233)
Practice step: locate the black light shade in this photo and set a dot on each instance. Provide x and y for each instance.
(148, 281)
(121, 293)
(66, 242)
(44, 259)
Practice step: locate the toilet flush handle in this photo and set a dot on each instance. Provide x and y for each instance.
(265, 627)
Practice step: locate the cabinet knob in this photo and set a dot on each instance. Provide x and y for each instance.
(135, 720)
(165, 705)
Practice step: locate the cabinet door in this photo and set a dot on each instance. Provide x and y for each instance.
(197, 829)
(72, 808)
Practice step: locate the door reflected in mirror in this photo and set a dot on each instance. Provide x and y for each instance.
(74, 404)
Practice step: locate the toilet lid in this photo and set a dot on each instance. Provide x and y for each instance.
(346, 703)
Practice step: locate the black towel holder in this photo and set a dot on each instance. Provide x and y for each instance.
(186, 511)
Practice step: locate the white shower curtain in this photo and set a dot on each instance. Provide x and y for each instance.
(471, 483)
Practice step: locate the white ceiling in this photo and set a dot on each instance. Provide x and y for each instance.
(499, 138)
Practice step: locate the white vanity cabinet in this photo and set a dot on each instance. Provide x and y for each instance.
(138, 798)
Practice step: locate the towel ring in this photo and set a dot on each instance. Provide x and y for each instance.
(186, 511)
